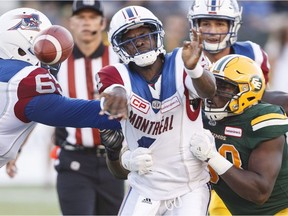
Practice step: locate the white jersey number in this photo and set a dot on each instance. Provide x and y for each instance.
(46, 83)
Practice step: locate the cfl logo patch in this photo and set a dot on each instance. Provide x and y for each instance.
(256, 83)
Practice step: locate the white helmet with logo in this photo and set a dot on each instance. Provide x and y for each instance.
(217, 9)
(130, 18)
(19, 28)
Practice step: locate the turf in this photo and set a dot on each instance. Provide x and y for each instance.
(23, 200)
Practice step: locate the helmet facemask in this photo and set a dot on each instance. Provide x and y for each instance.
(227, 94)
(141, 58)
(225, 39)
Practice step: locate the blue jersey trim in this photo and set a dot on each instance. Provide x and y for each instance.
(10, 67)
(168, 84)
(244, 48)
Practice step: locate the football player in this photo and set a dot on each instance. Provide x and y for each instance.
(250, 169)
(30, 94)
(220, 21)
(164, 177)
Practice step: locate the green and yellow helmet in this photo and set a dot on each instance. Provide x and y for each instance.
(246, 76)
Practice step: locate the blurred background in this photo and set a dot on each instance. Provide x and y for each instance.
(32, 190)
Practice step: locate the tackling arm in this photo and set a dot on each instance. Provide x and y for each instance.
(256, 183)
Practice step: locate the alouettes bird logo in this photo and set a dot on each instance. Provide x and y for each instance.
(27, 22)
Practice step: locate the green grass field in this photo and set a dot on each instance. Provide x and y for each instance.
(25, 200)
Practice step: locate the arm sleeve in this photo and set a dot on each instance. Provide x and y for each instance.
(56, 110)
(108, 76)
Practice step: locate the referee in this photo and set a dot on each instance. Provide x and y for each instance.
(84, 184)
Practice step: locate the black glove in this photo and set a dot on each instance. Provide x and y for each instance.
(112, 140)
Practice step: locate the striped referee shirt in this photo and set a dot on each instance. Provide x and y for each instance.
(77, 79)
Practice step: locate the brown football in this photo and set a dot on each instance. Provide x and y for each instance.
(53, 45)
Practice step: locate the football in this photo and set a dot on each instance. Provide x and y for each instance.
(53, 45)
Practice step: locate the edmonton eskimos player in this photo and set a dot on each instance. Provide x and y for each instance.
(250, 172)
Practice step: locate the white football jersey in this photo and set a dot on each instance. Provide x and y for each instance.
(17, 87)
(161, 119)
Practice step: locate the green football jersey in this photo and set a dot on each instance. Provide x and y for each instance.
(236, 137)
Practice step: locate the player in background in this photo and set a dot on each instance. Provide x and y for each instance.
(159, 88)
(30, 94)
(220, 21)
(250, 169)
(88, 188)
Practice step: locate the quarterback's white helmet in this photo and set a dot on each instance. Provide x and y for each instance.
(19, 28)
(217, 9)
(130, 18)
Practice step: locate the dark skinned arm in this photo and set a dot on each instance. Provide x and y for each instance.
(203, 80)
(205, 85)
(256, 183)
(116, 169)
(113, 142)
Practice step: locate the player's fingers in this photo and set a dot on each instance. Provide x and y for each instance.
(118, 116)
(200, 30)
(114, 105)
(103, 102)
(186, 44)
(11, 170)
(195, 35)
(200, 39)
(118, 107)
(200, 33)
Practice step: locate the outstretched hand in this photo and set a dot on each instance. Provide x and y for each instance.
(114, 104)
(192, 50)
